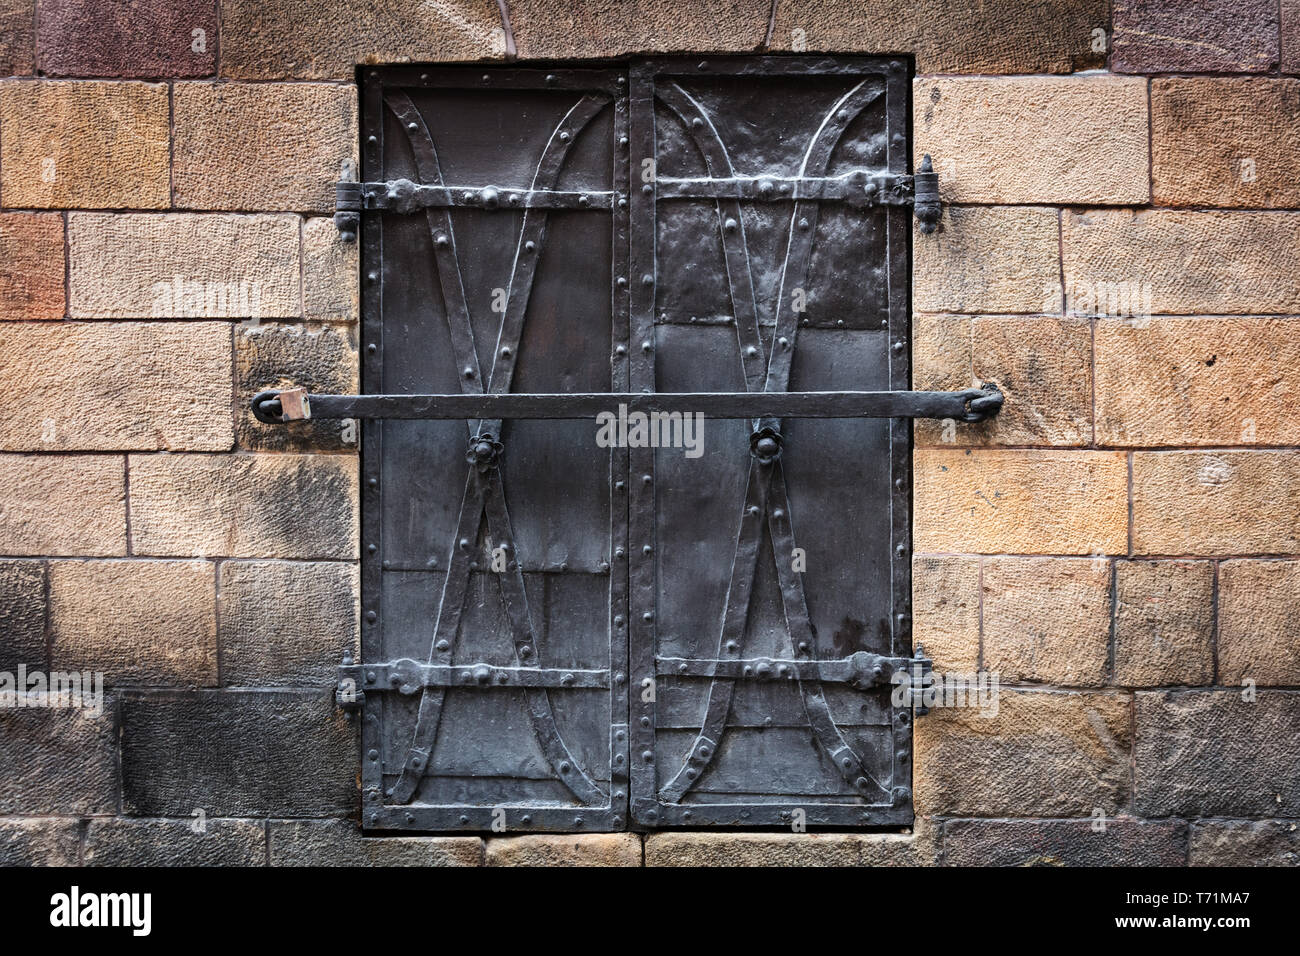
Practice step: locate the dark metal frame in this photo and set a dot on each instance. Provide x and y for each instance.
(487, 400)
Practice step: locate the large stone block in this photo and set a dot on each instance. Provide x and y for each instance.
(946, 610)
(1002, 259)
(1164, 623)
(256, 146)
(31, 265)
(286, 623)
(322, 360)
(58, 759)
(1186, 262)
(1226, 142)
(39, 841)
(244, 506)
(330, 288)
(184, 266)
(1245, 843)
(1290, 36)
(1220, 380)
(84, 145)
(1045, 753)
(326, 39)
(228, 753)
(1211, 753)
(138, 622)
(116, 386)
(573, 849)
(1212, 503)
(22, 615)
(164, 38)
(994, 36)
(1259, 604)
(62, 505)
(1020, 502)
(1047, 619)
(1094, 842)
(340, 843)
(600, 28)
(787, 849)
(193, 842)
(1033, 139)
(1195, 36)
(17, 37)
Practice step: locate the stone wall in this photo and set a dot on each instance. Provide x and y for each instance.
(1121, 253)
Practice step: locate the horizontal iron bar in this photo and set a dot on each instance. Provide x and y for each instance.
(408, 677)
(972, 404)
(861, 669)
(405, 196)
(860, 187)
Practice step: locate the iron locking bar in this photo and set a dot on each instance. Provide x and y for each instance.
(277, 406)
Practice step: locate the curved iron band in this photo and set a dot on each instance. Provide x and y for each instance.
(529, 250)
(799, 247)
(739, 592)
(799, 622)
(721, 690)
(484, 490)
(443, 239)
(740, 282)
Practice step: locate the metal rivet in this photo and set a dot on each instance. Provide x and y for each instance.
(372, 548)
(783, 342)
(647, 756)
(622, 141)
(899, 346)
(371, 616)
(373, 755)
(648, 188)
(525, 651)
(487, 78)
(620, 350)
(645, 721)
(803, 223)
(372, 276)
(412, 126)
(622, 281)
(443, 645)
(372, 348)
(372, 139)
(373, 482)
(564, 136)
(648, 616)
(751, 351)
(550, 79)
(646, 549)
(730, 225)
(778, 513)
(505, 351)
(529, 246)
(697, 122)
(647, 280)
(619, 485)
(469, 373)
(618, 620)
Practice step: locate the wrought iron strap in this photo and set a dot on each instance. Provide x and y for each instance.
(404, 196)
(862, 669)
(858, 188)
(407, 676)
(966, 405)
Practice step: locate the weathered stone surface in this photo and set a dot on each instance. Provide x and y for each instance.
(183, 266)
(586, 849)
(787, 849)
(262, 145)
(996, 36)
(1047, 619)
(1164, 623)
(1020, 502)
(1209, 503)
(1226, 142)
(245, 506)
(82, 387)
(1290, 36)
(1122, 842)
(1245, 843)
(1210, 753)
(39, 841)
(1043, 365)
(31, 265)
(1194, 36)
(163, 38)
(1045, 753)
(326, 39)
(946, 610)
(62, 504)
(175, 843)
(17, 37)
(1259, 604)
(1187, 262)
(941, 361)
(58, 760)
(330, 289)
(286, 623)
(1198, 381)
(321, 360)
(139, 622)
(1034, 139)
(87, 145)
(22, 615)
(599, 28)
(989, 260)
(233, 753)
(339, 843)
